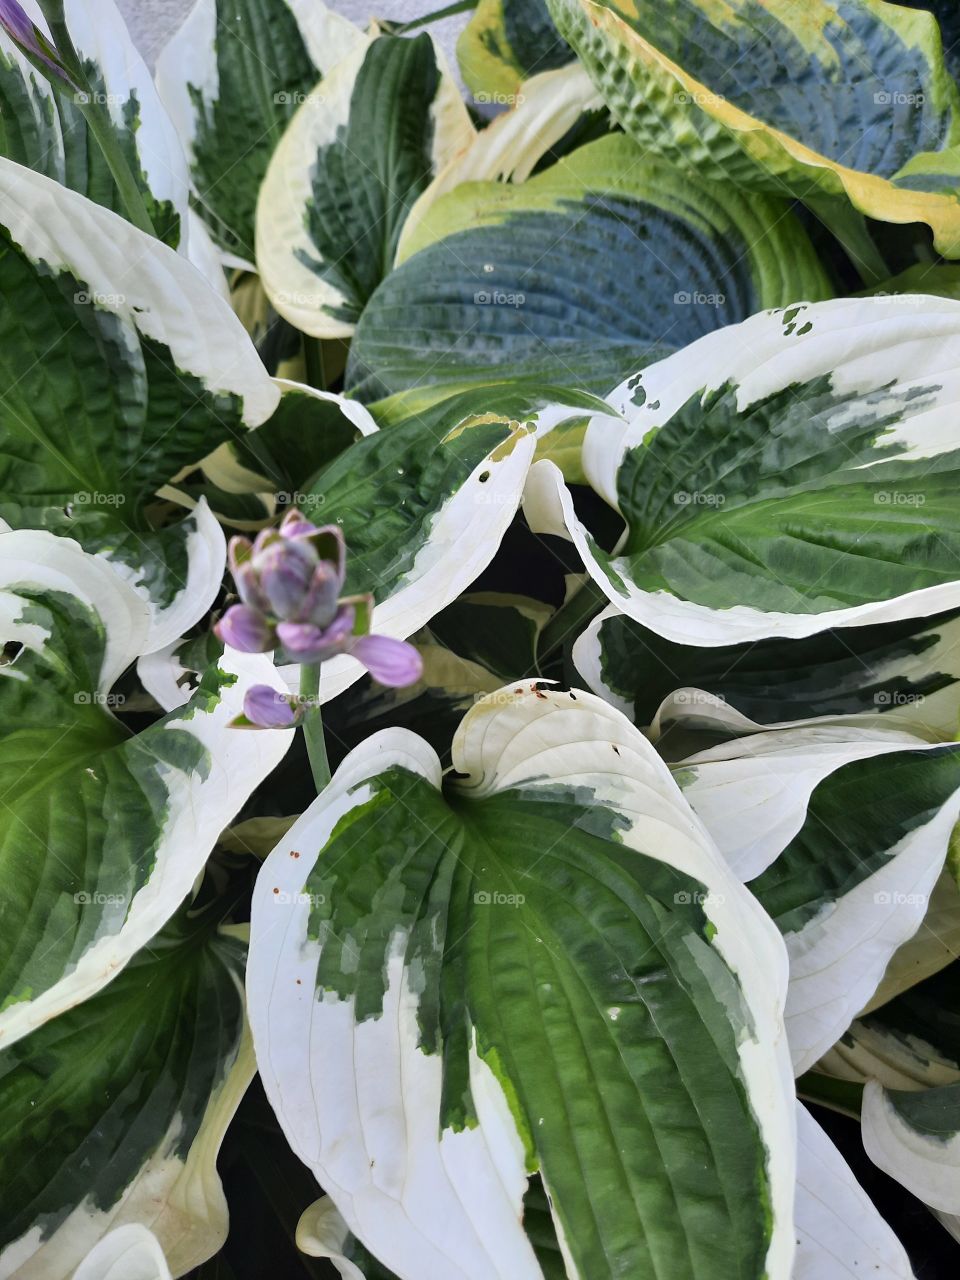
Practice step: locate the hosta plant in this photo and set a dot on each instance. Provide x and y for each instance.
(480, 607)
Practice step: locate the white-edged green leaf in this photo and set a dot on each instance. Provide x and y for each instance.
(841, 834)
(423, 513)
(914, 1136)
(840, 1234)
(790, 474)
(113, 1112)
(902, 675)
(355, 157)
(537, 962)
(126, 1253)
(322, 1233)
(935, 945)
(848, 103)
(911, 1042)
(120, 368)
(105, 838)
(232, 78)
(552, 106)
(45, 129)
(576, 276)
(505, 43)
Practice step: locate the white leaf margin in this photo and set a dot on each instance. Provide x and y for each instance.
(348, 1095)
(929, 1167)
(864, 344)
(127, 1253)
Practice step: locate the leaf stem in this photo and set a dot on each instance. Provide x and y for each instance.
(847, 225)
(313, 725)
(459, 6)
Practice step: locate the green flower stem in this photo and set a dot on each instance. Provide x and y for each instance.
(459, 6)
(313, 725)
(313, 363)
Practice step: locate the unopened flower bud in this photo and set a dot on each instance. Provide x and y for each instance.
(246, 629)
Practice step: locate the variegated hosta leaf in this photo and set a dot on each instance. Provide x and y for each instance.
(353, 160)
(914, 1136)
(576, 275)
(113, 1113)
(911, 1042)
(851, 103)
(102, 833)
(783, 476)
(232, 78)
(126, 1253)
(456, 981)
(498, 630)
(120, 367)
(840, 1234)
(322, 1233)
(423, 513)
(554, 106)
(45, 129)
(841, 834)
(308, 429)
(935, 944)
(902, 675)
(506, 42)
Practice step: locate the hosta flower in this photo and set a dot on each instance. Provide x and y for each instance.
(29, 37)
(289, 582)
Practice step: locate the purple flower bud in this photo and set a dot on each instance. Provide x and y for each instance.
(268, 709)
(25, 33)
(319, 604)
(285, 569)
(392, 662)
(246, 629)
(305, 642)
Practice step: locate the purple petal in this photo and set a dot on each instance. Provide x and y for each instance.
(392, 662)
(319, 604)
(246, 629)
(308, 643)
(284, 571)
(268, 709)
(296, 525)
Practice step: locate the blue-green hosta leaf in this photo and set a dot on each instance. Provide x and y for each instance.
(113, 1112)
(423, 512)
(840, 1234)
(903, 675)
(506, 42)
(537, 962)
(102, 833)
(846, 101)
(352, 162)
(911, 1042)
(780, 477)
(576, 276)
(45, 130)
(119, 368)
(126, 1253)
(232, 78)
(841, 834)
(914, 1136)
